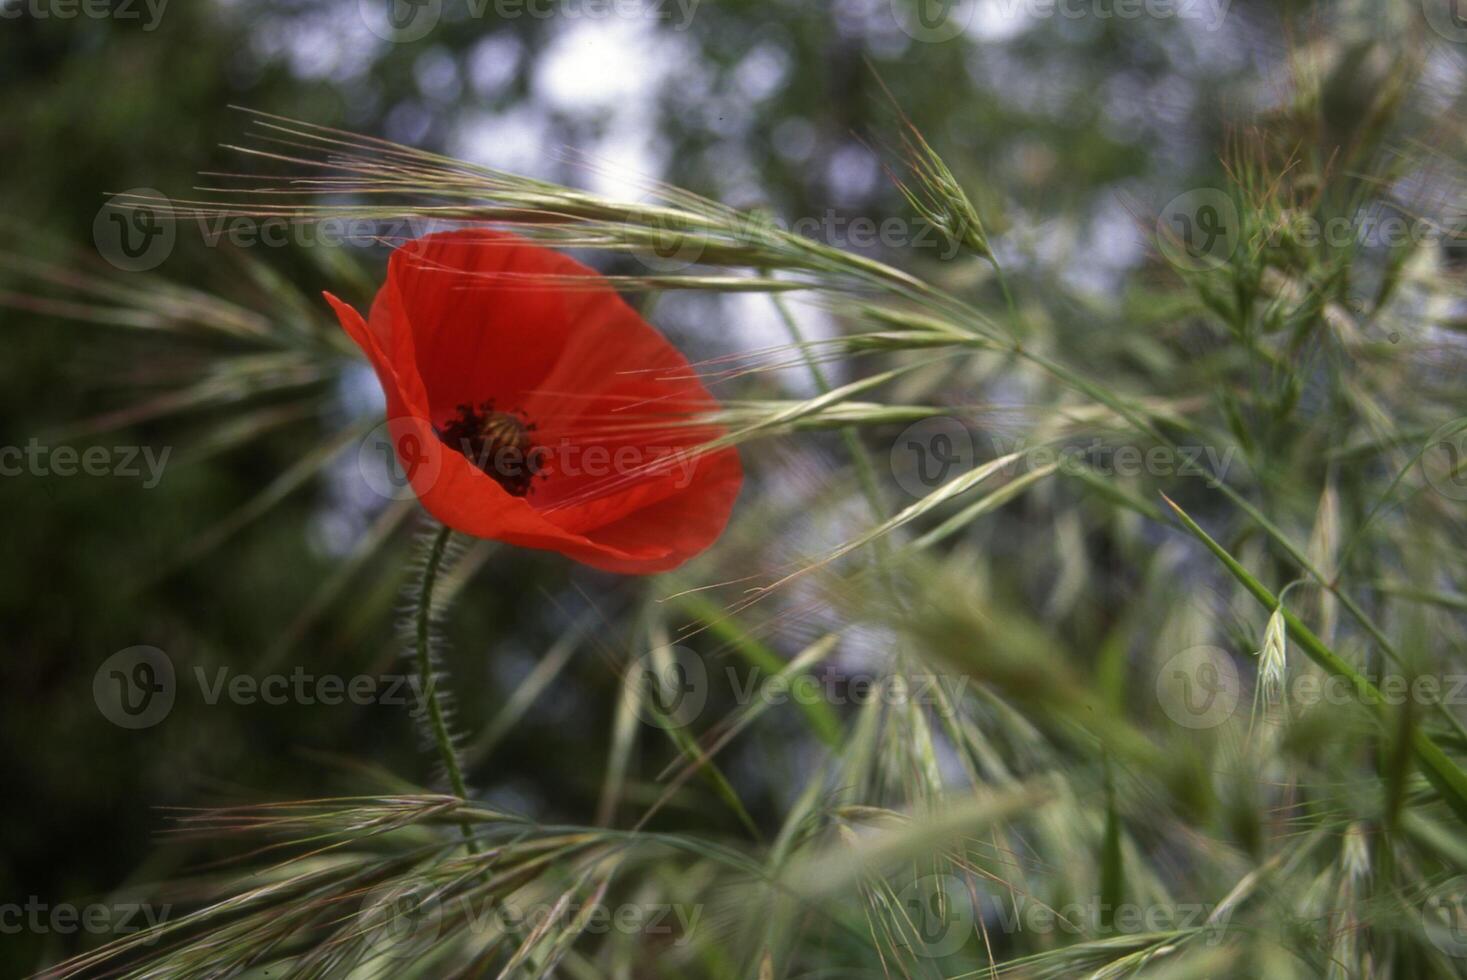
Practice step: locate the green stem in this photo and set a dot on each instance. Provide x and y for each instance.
(1008, 297)
(865, 471)
(1444, 774)
(429, 680)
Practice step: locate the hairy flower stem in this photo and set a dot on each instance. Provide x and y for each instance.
(429, 680)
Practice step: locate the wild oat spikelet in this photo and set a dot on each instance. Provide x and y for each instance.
(937, 197)
(1355, 852)
(1272, 659)
(941, 201)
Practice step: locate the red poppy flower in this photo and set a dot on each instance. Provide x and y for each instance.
(540, 410)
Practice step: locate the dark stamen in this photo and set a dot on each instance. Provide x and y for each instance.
(498, 443)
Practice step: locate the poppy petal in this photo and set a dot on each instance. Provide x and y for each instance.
(475, 317)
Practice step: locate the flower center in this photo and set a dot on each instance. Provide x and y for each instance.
(498, 443)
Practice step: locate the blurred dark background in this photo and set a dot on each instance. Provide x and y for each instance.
(1066, 129)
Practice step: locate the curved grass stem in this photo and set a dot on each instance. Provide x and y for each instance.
(860, 458)
(1444, 774)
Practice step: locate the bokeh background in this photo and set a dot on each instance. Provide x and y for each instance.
(1069, 131)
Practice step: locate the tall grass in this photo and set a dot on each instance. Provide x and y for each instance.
(1092, 740)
